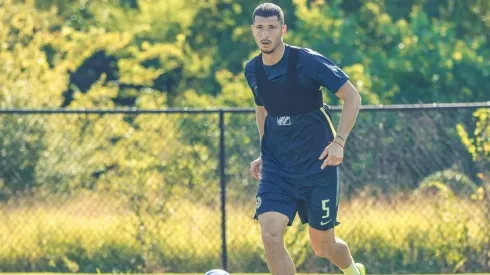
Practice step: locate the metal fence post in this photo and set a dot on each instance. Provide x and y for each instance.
(222, 163)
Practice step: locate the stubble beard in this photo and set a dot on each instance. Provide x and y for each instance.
(271, 50)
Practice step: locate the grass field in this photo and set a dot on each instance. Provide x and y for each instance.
(230, 274)
(91, 232)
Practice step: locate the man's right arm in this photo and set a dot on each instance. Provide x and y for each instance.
(260, 115)
(260, 112)
(256, 165)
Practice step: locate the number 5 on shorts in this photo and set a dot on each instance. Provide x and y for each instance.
(325, 208)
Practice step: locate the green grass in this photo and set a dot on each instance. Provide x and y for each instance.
(231, 274)
(314, 274)
(90, 232)
(163, 274)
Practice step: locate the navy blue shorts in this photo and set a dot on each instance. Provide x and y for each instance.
(315, 198)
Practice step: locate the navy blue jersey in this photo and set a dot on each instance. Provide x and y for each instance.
(298, 126)
(314, 71)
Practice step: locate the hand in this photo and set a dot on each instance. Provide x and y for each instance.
(335, 153)
(256, 168)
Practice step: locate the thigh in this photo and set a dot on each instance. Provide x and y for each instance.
(275, 194)
(321, 202)
(273, 223)
(321, 240)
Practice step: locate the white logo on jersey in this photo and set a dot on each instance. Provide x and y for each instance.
(284, 120)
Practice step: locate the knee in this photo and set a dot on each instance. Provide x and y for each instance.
(272, 238)
(324, 251)
(273, 225)
(329, 249)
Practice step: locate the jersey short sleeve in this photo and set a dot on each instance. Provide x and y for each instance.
(252, 80)
(321, 70)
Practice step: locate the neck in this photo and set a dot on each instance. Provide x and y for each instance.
(274, 57)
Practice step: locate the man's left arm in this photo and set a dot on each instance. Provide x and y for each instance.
(351, 98)
(350, 110)
(326, 73)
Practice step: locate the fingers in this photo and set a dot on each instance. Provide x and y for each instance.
(331, 161)
(254, 173)
(327, 162)
(257, 175)
(333, 155)
(324, 153)
(337, 161)
(255, 170)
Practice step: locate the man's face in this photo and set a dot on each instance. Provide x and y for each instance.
(268, 32)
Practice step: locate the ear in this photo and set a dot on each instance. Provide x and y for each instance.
(252, 29)
(284, 29)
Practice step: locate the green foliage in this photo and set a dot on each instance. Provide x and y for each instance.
(421, 51)
(478, 141)
(449, 189)
(449, 183)
(416, 58)
(427, 51)
(21, 147)
(27, 81)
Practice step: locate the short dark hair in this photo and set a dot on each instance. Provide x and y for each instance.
(268, 10)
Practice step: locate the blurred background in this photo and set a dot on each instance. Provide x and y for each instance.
(127, 129)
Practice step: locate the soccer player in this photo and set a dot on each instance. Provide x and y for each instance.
(300, 149)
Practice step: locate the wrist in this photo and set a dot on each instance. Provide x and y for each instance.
(338, 143)
(340, 139)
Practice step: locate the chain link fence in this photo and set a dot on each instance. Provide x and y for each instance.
(170, 191)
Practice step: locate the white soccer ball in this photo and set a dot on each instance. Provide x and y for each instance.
(216, 272)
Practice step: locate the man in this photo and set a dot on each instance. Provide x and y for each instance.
(300, 149)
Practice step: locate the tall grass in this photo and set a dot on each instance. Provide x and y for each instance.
(94, 233)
